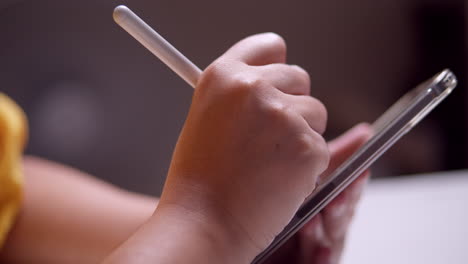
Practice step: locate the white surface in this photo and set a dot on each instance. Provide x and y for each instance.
(416, 219)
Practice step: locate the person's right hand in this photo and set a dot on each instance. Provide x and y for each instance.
(251, 148)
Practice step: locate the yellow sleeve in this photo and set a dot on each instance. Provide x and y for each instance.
(13, 134)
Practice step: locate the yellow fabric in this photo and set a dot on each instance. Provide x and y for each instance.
(12, 140)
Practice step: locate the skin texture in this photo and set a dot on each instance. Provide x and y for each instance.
(321, 241)
(251, 124)
(252, 132)
(70, 217)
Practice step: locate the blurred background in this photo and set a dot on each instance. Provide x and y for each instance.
(100, 102)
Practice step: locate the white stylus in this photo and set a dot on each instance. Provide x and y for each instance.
(155, 43)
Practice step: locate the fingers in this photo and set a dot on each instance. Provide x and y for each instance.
(314, 245)
(260, 49)
(323, 237)
(290, 79)
(338, 214)
(345, 145)
(262, 58)
(310, 109)
(294, 82)
(264, 55)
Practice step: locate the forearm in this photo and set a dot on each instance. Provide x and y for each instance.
(177, 235)
(69, 217)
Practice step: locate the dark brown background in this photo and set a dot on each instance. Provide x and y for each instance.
(100, 102)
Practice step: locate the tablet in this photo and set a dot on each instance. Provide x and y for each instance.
(391, 126)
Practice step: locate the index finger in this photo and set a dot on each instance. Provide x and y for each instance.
(259, 49)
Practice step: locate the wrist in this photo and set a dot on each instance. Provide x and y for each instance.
(209, 233)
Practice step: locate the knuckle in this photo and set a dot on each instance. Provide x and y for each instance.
(323, 155)
(276, 40)
(245, 81)
(275, 113)
(304, 144)
(322, 115)
(275, 43)
(215, 70)
(303, 77)
(213, 76)
(248, 83)
(312, 146)
(229, 77)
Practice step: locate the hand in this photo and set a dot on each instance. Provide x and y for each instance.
(251, 148)
(321, 240)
